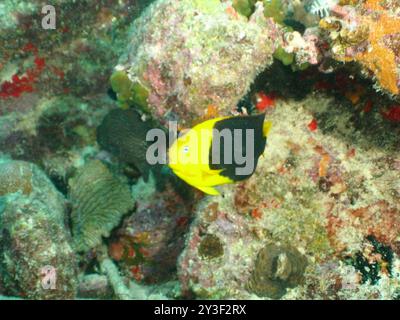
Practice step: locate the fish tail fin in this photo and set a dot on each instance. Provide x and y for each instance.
(266, 128)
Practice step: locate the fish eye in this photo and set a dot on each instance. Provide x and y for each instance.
(185, 149)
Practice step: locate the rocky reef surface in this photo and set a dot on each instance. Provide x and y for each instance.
(190, 54)
(83, 216)
(324, 192)
(34, 237)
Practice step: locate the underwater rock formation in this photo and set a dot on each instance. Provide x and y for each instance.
(33, 236)
(26, 179)
(78, 56)
(149, 241)
(99, 200)
(94, 286)
(328, 180)
(32, 242)
(57, 133)
(327, 190)
(185, 55)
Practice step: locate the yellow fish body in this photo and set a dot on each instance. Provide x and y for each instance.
(190, 159)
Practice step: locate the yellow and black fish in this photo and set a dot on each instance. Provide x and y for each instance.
(200, 157)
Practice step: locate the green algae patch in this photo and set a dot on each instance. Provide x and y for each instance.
(274, 9)
(244, 7)
(140, 95)
(129, 93)
(283, 56)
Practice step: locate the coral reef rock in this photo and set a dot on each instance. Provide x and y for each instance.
(26, 179)
(95, 286)
(186, 55)
(149, 241)
(328, 183)
(36, 260)
(55, 133)
(99, 200)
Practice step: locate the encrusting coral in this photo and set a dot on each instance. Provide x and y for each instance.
(276, 269)
(99, 201)
(33, 235)
(26, 179)
(367, 33)
(32, 241)
(190, 54)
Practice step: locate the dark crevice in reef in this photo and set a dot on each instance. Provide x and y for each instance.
(356, 105)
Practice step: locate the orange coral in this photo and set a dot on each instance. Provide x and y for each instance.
(373, 5)
(212, 112)
(380, 59)
(116, 251)
(324, 165)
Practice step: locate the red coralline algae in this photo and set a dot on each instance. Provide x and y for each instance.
(313, 125)
(393, 114)
(265, 101)
(29, 47)
(40, 63)
(131, 252)
(256, 213)
(368, 106)
(137, 273)
(15, 87)
(20, 84)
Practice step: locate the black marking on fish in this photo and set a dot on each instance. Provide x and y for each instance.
(255, 122)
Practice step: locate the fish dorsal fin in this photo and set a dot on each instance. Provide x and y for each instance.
(266, 128)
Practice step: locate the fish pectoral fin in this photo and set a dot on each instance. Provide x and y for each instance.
(267, 127)
(209, 190)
